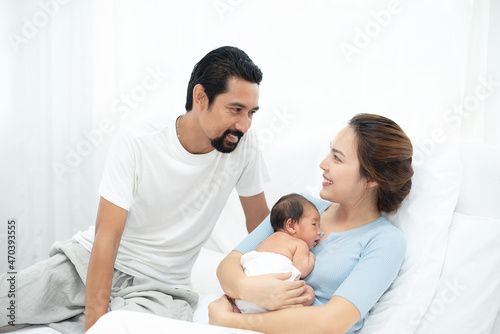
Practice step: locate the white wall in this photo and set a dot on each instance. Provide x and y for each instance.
(68, 66)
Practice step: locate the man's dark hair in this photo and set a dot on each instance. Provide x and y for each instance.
(290, 206)
(213, 71)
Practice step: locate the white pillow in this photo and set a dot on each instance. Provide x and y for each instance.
(424, 218)
(496, 325)
(480, 176)
(467, 299)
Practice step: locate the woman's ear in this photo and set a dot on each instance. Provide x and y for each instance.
(290, 226)
(199, 97)
(370, 183)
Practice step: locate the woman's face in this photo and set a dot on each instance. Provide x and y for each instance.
(342, 182)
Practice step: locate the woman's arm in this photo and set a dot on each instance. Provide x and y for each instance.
(379, 264)
(269, 291)
(337, 316)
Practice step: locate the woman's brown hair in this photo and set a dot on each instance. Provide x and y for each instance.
(385, 155)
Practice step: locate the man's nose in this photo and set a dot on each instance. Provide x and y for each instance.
(243, 123)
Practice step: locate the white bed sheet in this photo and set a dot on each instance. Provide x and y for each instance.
(127, 322)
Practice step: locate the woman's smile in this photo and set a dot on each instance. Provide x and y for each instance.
(326, 181)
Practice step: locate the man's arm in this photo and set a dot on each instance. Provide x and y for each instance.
(109, 227)
(256, 210)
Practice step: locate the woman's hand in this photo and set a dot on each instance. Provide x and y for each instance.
(309, 293)
(220, 311)
(273, 292)
(270, 291)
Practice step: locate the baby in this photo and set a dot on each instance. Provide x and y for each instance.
(295, 221)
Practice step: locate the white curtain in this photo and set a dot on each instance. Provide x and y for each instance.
(46, 103)
(75, 71)
(481, 106)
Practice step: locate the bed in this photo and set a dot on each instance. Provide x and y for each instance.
(449, 281)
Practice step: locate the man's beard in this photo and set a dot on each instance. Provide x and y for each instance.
(218, 143)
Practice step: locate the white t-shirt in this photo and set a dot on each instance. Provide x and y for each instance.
(173, 197)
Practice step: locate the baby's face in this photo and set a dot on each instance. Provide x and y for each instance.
(308, 227)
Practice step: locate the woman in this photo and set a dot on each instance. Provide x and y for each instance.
(368, 170)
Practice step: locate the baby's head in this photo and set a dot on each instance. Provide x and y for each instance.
(297, 216)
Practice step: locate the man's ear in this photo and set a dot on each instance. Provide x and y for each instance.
(200, 99)
(291, 226)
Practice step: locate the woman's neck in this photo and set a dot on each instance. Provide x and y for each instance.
(341, 218)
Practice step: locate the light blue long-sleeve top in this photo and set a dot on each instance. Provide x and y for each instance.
(358, 265)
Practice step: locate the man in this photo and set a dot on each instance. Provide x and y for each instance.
(164, 185)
